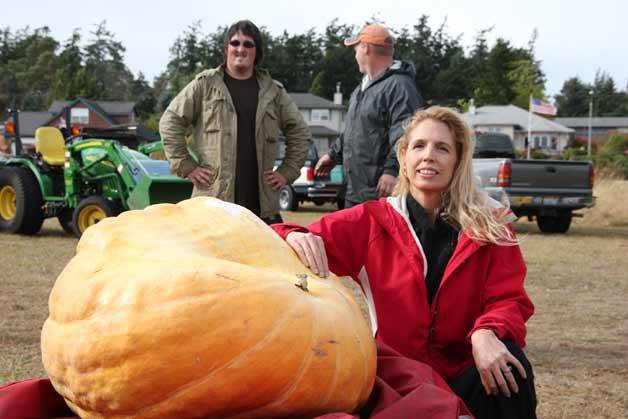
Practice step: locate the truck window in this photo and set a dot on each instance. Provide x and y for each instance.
(493, 145)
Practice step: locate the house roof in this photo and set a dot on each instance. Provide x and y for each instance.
(30, 121)
(309, 101)
(602, 122)
(59, 105)
(322, 131)
(514, 116)
(107, 107)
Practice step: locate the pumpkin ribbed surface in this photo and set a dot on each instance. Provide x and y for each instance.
(191, 310)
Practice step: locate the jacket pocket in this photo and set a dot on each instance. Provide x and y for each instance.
(209, 148)
(269, 141)
(271, 125)
(212, 114)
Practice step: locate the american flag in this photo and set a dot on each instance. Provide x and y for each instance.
(539, 106)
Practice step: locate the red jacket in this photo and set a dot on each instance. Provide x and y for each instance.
(482, 286)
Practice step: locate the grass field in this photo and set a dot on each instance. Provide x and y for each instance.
(577, 340)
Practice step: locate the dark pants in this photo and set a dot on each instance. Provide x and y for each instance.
(522, 405)
(273, 219)
(349, 204)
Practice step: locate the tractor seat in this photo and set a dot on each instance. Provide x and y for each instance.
(50, 144)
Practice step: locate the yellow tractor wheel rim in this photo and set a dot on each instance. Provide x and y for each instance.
(90, 215)
(7, 202)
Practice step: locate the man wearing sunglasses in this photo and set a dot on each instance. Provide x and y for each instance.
(238, 112)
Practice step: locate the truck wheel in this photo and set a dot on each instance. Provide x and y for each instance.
(554, 223)
(20, 201)
(287, 199)
(90, 211)
(65, 220)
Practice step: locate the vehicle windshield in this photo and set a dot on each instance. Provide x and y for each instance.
(142, 164)
(312, 152)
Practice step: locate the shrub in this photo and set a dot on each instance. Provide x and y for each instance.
(574, 153)
(539, 155)
(612, 159)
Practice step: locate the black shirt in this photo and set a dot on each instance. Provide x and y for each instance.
(438, 240)
(244, 94)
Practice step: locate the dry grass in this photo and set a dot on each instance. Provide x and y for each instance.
(610, 209)
(578, 338)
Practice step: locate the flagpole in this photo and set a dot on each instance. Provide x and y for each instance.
(529, 127)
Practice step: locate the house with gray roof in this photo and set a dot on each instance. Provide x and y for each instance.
(325, 118)
(29, 122)
(83, 113)
(92, 113)
(548, 136)
(600, 126)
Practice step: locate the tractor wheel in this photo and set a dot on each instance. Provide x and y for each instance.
(554, 224)
(65, 219)
(90, 211)
(20, 201)
(287, 199)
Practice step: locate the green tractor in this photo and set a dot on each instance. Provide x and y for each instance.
(80, 181)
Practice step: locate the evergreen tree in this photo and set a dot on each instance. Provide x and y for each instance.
(69, 79)
(573, 99)
(107, 77)
(337, 65)
(494, 86)
(143, 96)
(28, 59)
(607, 101)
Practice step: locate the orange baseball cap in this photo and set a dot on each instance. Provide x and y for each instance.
(372, 34)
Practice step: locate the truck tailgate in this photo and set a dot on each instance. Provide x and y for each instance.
(549, 174)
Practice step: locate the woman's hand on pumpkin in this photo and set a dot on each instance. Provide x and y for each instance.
(311, 251)
(495, 363)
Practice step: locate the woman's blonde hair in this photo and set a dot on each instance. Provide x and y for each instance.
(464, 203)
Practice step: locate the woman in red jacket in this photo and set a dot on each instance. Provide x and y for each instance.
(440, 267)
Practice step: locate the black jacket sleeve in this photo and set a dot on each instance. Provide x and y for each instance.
(403, 100)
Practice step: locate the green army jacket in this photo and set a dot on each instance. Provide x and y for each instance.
(206, 105)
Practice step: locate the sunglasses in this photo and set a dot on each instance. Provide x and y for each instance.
(246, 44)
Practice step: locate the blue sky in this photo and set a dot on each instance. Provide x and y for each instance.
(575, 38)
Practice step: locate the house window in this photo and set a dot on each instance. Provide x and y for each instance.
(494, 129)
(320, 115)
(541, 142)
(79, 116)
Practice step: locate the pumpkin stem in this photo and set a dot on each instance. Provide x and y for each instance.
(301, 282)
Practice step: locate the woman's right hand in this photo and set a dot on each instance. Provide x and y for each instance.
(311, 251)
(495, 363)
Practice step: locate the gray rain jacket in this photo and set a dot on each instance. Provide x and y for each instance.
(373, 124)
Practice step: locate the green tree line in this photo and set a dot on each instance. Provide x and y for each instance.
(39, 69)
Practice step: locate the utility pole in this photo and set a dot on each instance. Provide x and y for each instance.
(590, 117)
(15, 115)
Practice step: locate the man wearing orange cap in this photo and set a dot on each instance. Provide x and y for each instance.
(385, 98)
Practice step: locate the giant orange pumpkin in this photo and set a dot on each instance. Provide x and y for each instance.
(200, 310)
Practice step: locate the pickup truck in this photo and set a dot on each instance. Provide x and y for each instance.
(309, 187)
(548, 190)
